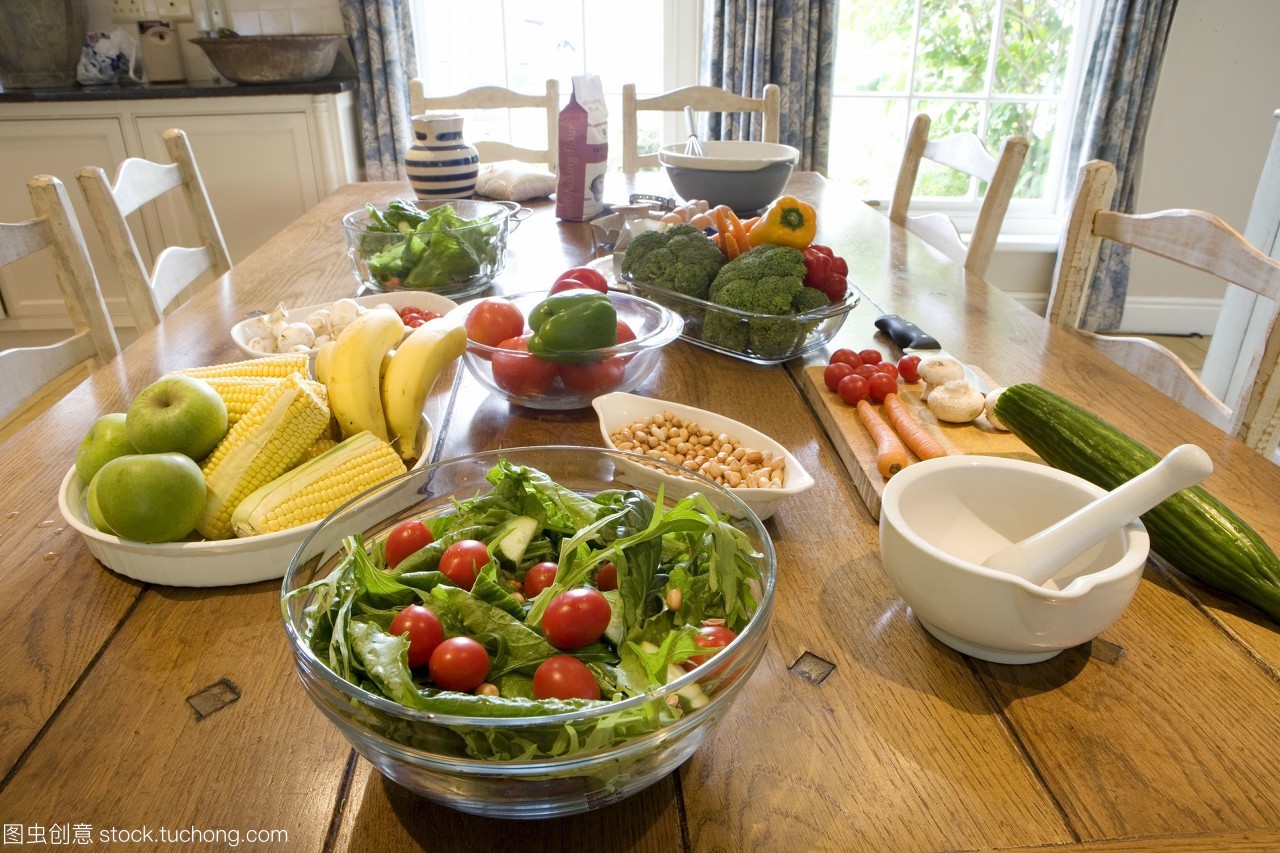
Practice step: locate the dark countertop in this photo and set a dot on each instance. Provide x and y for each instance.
(197, 89)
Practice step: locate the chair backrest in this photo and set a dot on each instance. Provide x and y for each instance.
(496, 98)
(965, 153)
(28, 369)
(703, 99)
(1195, 239)
(151, 290)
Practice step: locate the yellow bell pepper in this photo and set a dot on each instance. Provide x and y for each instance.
(786, 222)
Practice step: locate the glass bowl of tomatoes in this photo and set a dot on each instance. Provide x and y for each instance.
(425, 626)
(499, 337)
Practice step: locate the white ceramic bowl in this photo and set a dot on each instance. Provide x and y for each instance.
(744, 175)
(618, 409)
(729, 155)
(941, 518)
(243, 332)
(228, 562)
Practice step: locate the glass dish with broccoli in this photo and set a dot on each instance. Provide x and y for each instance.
(453, 248)
(755, 307)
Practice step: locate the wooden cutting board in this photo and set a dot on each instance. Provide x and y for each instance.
(858, 451)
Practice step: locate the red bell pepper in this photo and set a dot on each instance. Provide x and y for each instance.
(826, 271)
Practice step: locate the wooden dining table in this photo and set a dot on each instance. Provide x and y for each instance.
(131, 708)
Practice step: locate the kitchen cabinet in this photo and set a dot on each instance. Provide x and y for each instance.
(265, 160)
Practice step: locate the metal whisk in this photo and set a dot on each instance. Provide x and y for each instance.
(693, 147)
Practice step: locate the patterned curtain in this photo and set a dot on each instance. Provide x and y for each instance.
(788, 42)
(382, 43)
(1111, 124)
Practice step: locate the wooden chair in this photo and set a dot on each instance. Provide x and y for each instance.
(495, 98)
(704, 99)
(1199, 240)
(28, 369)
(965, 153)
(139, 181)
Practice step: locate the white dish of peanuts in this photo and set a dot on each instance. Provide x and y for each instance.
(759, 471)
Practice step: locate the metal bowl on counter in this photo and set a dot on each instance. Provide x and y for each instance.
(272, 59)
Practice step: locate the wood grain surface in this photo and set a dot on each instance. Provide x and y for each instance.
(127, 705)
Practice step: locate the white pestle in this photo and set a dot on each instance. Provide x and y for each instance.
(1041, 556)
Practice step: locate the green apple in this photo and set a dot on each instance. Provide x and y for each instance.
(104, 441)
(95, 513)
(150, 497)
(179, 414)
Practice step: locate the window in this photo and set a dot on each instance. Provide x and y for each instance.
(519, 44)
(992, 67)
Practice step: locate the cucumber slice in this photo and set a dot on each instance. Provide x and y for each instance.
(614, 632)
(515, 537)
(692, 696)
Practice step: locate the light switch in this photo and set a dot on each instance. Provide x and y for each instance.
(174, 10)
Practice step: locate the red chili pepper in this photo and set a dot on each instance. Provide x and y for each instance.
(826, 272)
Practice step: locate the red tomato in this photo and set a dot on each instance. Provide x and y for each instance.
(853, 388)
(595, 377)
(539, 577)
(882, 385)
(866, 371)
(405, 538)
(493, 321)
(564, 677)
(836, 371)
(463, 560)
(413, 321)
(517, 372)
(576, 618)
(625, 333)
(459, 663)
(424, 630)
(607, 577)
(713, 637)
(563, 284)
(909, 368)
(585, 277)
(845, 356)
(870, 356)
(888, 367)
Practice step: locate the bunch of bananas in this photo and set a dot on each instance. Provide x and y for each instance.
(379, 382)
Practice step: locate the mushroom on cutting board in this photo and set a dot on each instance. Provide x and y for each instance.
(937, 372)
(957, 401)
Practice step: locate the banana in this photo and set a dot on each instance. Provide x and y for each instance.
(324, 356)
(410, 373)
(353, 371)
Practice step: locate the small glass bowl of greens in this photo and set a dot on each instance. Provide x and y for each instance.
(453, 247)
(675, 574)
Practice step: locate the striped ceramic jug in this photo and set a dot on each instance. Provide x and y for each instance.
(441, 164)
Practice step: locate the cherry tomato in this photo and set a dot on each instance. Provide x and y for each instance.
(713, 637)
(888, 367)
(413, 321)
(405, 538)
(459, 663)
(909, 368)
(463, 560)
(882, 385)
(835, 371)
(870, 356)
(493, 321)
(564, 677)
(539, 577)
(625, 333)
(517, 372)
(607, 577)
(845, 356)
(866, 371)
(424, 630)
(576, 618)
(853, 388)
(595, 377)
(585, 277)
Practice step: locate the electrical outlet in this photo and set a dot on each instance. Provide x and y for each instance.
(127, 11)
(174, 10)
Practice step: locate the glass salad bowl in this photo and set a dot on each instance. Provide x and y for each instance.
(514, 755)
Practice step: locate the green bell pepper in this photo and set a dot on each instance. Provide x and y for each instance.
(566, 324)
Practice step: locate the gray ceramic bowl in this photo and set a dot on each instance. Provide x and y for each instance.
(744, 175)
(272, 59)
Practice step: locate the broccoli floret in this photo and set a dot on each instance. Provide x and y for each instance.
(681, 258)
(809, 299)
(766, 280)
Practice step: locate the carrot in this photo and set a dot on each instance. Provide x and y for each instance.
(728, 244)
(734, 226)
(909, 430)
(891, 456)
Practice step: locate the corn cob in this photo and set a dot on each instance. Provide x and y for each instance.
(241, 392)
(316, 488)
(263, 444)
(320, 445)
(279, 366)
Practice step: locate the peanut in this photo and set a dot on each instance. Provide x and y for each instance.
(717, 456)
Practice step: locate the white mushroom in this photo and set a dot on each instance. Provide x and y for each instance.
(293, 335)
(995, 422)
(938, 371)
(321, 340)
(341, 313)
(263, 343)
(956, 402)
(259, 326)
(318, 321)
(299, 348)
(280, 314)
